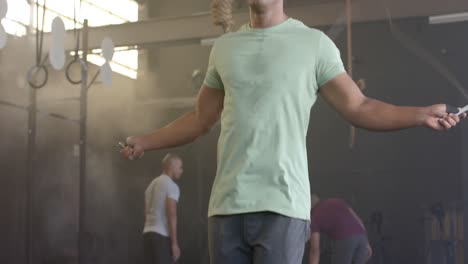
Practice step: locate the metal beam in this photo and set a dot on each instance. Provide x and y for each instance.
(200, 26)
(177, 102)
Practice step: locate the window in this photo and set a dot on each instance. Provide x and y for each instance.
(98, 13)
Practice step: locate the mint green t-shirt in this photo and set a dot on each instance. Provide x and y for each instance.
(270, 78)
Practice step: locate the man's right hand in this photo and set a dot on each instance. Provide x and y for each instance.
(133, 150)
(182, 131)
(175, 252)
(437, 118)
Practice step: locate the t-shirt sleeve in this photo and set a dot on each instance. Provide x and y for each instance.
(328, 63)
(173, 192)
(212, 78)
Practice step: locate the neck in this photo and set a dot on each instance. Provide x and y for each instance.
(267, 16)
(168, 174)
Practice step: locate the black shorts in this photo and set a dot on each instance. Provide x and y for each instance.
(157, 249)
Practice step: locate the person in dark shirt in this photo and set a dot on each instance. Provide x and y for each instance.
(336, 219)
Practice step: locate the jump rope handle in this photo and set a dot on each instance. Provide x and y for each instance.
(451, 109)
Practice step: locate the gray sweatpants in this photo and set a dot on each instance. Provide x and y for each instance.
(257, 238)
(350, 251)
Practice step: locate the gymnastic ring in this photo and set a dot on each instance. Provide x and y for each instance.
(67, 72)
(34, 70)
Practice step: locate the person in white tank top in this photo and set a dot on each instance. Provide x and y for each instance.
(160, 230)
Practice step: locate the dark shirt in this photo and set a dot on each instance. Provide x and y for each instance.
(333, 217)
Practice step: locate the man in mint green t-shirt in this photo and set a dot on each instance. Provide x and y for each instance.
(261, 83)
